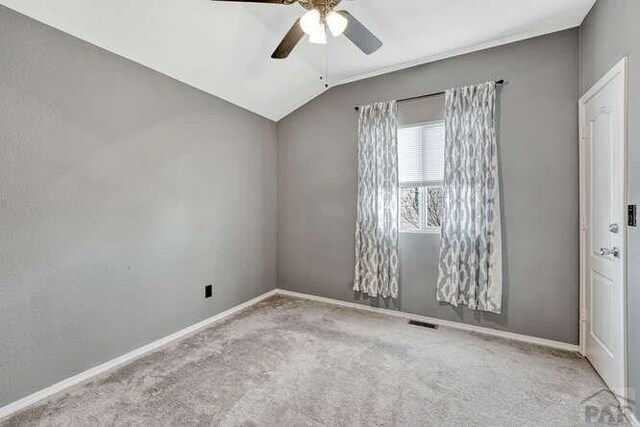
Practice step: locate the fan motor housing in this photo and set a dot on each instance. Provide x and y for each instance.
(321, 5)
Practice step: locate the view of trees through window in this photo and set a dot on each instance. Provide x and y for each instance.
(410, 208)
(420, 207)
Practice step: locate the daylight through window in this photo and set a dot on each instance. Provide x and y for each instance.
(421, 172)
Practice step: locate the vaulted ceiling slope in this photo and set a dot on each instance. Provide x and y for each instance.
(224, 48)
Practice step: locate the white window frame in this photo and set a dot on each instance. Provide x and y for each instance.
(424, 228)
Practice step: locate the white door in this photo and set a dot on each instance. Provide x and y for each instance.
(603, 226)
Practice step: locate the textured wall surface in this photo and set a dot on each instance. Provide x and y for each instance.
(539, 165)
(122, 193)
(608, 33)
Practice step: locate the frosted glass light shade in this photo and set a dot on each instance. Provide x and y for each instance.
(310, 21)
(336, 23)
(319, 36)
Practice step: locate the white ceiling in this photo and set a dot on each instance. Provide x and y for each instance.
(225, 48)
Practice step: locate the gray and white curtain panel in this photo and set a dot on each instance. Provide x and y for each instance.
(470, 262)
(377, 269)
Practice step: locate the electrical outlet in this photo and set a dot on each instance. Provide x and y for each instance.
(208, 291)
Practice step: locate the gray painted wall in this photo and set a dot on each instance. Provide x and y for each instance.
(609, 32)
(122, 193)
(539, 165)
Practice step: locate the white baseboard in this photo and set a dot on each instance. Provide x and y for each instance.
(18, 405)
(457, 325)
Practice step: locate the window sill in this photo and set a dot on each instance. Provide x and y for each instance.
(427, 231)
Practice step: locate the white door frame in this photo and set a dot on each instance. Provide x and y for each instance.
(620, 67)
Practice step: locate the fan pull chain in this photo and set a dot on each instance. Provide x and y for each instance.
(327, 8)
(326, 67)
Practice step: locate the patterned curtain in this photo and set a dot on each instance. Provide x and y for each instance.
(376, 270)
(470, 264)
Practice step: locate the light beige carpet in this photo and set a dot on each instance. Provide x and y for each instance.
(291, 362)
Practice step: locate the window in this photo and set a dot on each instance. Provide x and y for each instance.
(421, 172)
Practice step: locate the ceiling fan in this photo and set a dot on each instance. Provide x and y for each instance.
(321, 15)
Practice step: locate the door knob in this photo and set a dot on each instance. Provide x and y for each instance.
(610, 251)
(614, 228)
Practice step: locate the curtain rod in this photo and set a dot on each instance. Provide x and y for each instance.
(498, 82)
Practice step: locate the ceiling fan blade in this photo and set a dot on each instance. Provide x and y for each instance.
(360, 35)
(289, 41)
(285, 2)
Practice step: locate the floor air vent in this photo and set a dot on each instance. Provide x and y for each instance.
(423, 324)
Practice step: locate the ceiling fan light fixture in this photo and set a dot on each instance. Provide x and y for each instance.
(336, 23)
(310, 21)
(319, 36)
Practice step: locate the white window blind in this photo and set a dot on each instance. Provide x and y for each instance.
(421, 154)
